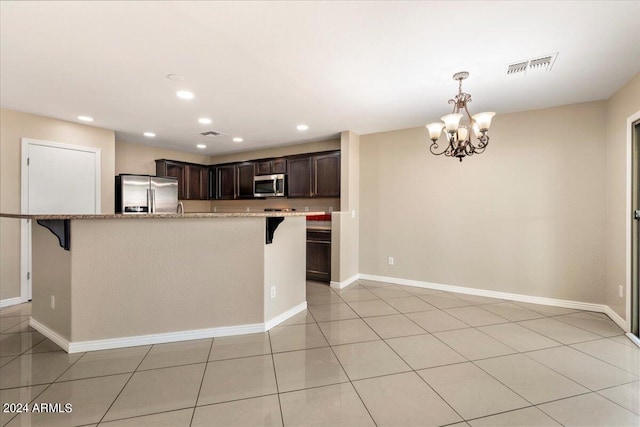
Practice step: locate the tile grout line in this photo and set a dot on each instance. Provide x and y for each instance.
(350, 381)
(565, 376)
(613, 401)
(48, 385)
(275, 376)
(204, 372)
(598, 358)
(125, 385)
(137, 416)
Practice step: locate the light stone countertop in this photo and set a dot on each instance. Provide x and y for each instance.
(162, 216)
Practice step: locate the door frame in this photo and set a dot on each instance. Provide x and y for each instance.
(25, 224)
(629, 214)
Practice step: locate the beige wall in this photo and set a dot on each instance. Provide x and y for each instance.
(526, 217)
(345, 230)
(15, 125)
(623, 104)
(284, 267)
(52, 274)
(141, 159)
(197, 274)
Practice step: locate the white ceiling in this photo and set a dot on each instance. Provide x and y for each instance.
(260, 68)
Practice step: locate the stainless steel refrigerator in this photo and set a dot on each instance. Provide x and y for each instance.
(144, 194)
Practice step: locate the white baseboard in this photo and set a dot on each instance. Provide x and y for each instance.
(80, 346)
(106, 344)
(617, 319)
(633, 338)
(285, 316)
(345, 283)
(578, 305)
(52, 335)
(11, 301)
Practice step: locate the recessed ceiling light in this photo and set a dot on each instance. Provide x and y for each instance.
(302, 127)
(149, 134)
(184, 94)
(237, 139)
(175, 77)
(85, 118)
(204, 120)
(201, 146)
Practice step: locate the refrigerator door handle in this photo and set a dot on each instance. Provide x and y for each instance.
(148, 200)
(153, 201)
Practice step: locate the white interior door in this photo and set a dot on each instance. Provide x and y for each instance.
(56, 179)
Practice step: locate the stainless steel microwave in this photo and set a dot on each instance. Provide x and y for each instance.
(269, 185)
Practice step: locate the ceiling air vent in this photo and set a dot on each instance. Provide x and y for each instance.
(522, 68)
(519, 67)
(211, 133)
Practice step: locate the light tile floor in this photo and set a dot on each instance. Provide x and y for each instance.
(370, 354)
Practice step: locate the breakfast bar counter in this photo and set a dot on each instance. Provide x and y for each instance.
(127, 280)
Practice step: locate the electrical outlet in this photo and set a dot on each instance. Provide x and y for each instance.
(248, 209)
(306, 208)
(273, 292)
(353, 214)
(391, 260)
(53, 302)
(620, 291)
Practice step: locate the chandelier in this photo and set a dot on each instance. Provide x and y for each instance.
(459, 137)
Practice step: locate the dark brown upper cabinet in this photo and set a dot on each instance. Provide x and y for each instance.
(244, 177)
(192, 178)
(299, 176)
(315, 175)
(175, 170)
(226, 181)
(213, 182)
(197, 182)
(325, 175)
(271, 166)
(308, 175)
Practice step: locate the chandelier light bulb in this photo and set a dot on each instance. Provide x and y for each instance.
(452, 121)
(462, 133)
(476, 130)
(484, 119)
(435, 129)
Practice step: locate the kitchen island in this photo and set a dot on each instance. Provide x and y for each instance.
(126, 280)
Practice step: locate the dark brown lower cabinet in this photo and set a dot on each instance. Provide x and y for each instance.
(319, 255)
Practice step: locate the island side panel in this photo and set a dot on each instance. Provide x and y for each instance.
(51, 277)
(285, 268)
(140, 277)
